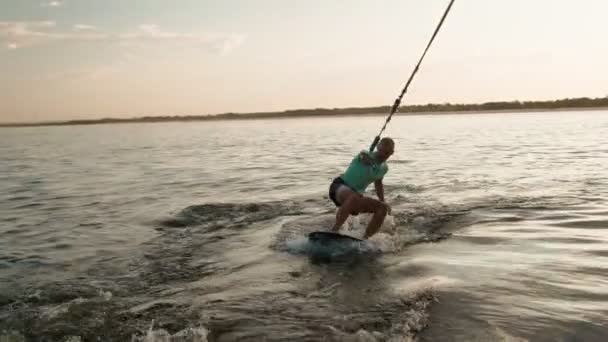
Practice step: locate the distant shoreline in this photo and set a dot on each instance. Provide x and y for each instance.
(575, 104)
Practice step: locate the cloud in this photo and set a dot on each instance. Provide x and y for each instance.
(218, 42)
(19, 34)
(83, 27)
(53, 4)
(225, 44)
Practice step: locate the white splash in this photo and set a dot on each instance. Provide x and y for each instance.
(106, 295)
(385, 240)
(161, 335)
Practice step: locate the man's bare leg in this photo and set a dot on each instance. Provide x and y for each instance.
(350, 204)
(379, 209)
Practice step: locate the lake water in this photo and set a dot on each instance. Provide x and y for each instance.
(197, 231)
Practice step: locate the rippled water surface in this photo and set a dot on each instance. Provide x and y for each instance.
(197, 231)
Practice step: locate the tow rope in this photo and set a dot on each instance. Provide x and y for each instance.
(398, 100)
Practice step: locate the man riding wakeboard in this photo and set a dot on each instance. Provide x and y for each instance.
(346, 190)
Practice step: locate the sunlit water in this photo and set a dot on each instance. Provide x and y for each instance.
(197, 231)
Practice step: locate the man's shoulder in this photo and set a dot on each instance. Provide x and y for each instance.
(362, 155)
(364, 152)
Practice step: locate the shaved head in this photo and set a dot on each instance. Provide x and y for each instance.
(387, 140)
(386, 147)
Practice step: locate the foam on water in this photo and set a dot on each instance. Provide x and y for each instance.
(160, 335)
(385, 241)
(152, 335)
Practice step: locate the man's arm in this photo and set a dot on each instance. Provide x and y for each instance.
(379, 189)
(380, 192)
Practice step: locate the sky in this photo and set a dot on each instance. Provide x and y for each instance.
(87, 59)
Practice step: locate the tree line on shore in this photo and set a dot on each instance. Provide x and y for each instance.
(581, 102)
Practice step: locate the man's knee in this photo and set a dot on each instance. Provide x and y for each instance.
(368, 205)
(382, 208)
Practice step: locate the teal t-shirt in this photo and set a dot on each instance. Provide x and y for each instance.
(359, 176)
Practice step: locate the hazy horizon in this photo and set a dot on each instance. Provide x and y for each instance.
(64, 60)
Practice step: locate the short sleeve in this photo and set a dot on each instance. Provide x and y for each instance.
(384, 169)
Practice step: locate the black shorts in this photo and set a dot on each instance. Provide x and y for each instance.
(335, 184)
